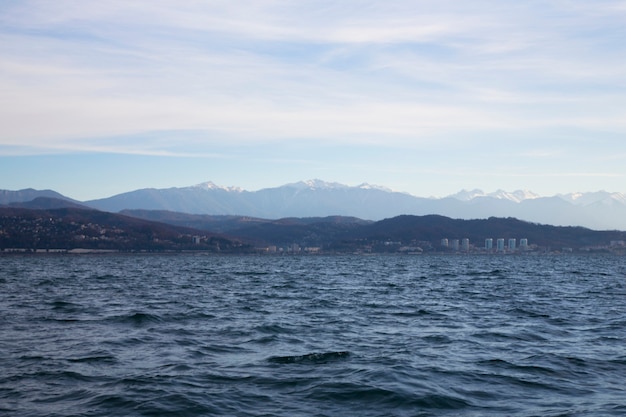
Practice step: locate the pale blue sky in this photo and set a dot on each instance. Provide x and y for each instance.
(426, 97)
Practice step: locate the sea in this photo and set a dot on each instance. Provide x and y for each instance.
(326, 335)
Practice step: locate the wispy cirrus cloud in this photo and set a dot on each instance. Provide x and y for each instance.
(403, 73)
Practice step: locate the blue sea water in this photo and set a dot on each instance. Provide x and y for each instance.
(193, 335)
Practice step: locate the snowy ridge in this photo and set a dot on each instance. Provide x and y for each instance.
(598, 197)
(366, 186)
(516, 196)
(316, 184)
(209, 185)
(599, 210)
(465, 195)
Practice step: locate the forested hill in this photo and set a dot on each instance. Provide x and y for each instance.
(76, 227)
(70, 228)
(343, 233)
(433, 228)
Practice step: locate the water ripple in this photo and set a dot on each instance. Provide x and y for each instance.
(186, 335)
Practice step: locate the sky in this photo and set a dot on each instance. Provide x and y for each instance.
(424, 97)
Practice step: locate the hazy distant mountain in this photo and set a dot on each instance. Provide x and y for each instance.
(228, 223)
(29, 194)
(46, 203)
(597, 210)
(599, 197)
(206, 198)
(302, 199)
(516, 196)
(315, 198)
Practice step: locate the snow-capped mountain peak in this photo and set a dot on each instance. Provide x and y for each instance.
(620, 197)
(515, 196)
(466, 195)
(600, 210)
(585, 199)
(316, 184)
(209, 185)
(366, 186)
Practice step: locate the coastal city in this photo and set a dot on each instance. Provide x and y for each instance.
(80, 231)
(446, 246)
(465, 246)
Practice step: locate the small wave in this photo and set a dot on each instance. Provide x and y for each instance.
(619, 361)
(69, 396)
(176, 367)
(250, 273)
(526, 312)
(102, 276)
(442, 402)
(219, 349)
(315, 358)
(417, 313)
(495, 336)
(60, 376)
(115, 403)
(174, 404)
(94, 359)
(526, 369)
(33, 358)
(273, 329)
(65, 306)
(437, 339)
(367, 395)
(492, 273)
(264, 340)
(138, 319)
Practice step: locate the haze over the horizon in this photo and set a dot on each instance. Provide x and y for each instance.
(99, 98)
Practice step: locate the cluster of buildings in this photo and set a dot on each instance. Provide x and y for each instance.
(501, 245)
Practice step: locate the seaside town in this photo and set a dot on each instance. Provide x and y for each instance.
(446, 246)
(33, 231)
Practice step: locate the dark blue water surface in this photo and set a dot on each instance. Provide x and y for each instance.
(189, 335)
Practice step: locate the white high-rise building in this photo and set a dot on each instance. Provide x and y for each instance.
(512, 244)
(523, 244)
(465, 245)
(489, 244)
(500, 245)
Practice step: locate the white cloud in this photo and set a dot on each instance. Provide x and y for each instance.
(402, 73)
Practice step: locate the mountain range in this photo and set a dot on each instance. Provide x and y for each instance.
(315, 198)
